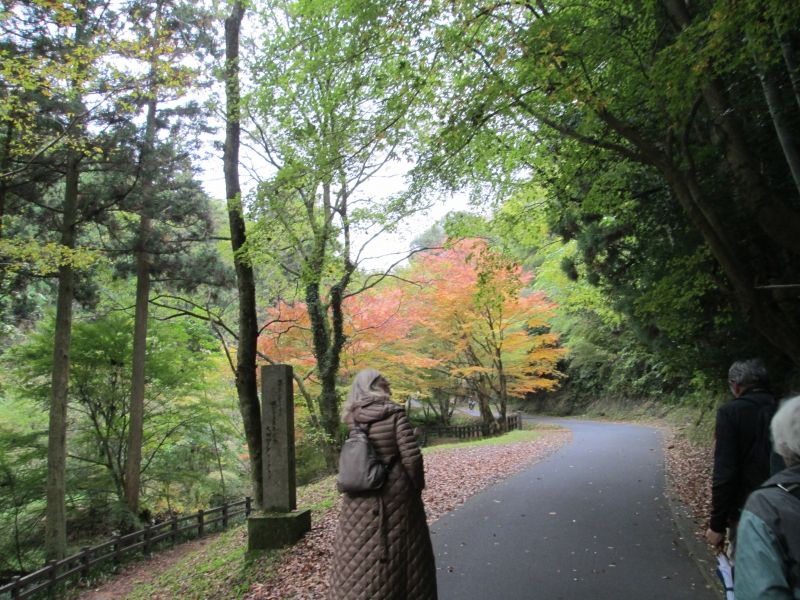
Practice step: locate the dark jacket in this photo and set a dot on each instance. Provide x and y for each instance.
(383, 548)
(741, 454)
(768, 548)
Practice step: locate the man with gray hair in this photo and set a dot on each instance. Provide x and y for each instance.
(742, 449)
(768, 565)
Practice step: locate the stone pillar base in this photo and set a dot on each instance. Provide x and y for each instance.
(266, 531)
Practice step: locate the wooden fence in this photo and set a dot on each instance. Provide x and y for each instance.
(475, 431)
(47, 579)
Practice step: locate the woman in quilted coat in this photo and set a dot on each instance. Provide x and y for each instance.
(383, 548)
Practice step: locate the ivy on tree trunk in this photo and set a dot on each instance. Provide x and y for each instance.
(246, 381)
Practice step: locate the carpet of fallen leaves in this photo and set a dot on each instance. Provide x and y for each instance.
(136, 574)
(451, 475)
(689, 468)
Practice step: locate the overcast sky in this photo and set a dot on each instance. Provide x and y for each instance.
(386, 248)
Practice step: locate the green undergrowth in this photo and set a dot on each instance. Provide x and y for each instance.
(529, 433)
(693, 421)
(220, 568)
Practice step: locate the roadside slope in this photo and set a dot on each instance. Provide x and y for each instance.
(216, 568)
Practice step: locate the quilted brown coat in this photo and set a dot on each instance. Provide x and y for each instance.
(383, 548)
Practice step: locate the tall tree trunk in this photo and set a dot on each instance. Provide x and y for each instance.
(5, 165)
(56, 519)
(219, 463)
(757, 305)
(246, 381)
(133, 463)
(327, 326)
(503, 392)
(485, 408)
(328, 397)
(136, 410)
(790, 58)
(476, 383)
(783, 128)
(776, 219)
(336, 338)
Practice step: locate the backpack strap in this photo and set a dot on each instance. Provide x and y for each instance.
(792, 564)
(792, 488)
(392, 459)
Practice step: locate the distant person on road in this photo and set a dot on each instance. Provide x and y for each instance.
(383, 547)
(768, 554)
(742, 449)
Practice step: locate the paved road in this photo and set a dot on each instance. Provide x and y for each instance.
(589, 523)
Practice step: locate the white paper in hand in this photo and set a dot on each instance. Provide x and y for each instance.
(725, 574)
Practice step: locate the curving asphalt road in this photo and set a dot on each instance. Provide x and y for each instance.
(589, 523)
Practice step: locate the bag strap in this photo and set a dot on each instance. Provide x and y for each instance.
(792, 488)
(365, 430)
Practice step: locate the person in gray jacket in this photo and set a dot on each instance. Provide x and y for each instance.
(768, 554)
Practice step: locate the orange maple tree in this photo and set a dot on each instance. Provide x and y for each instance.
(483, 332)
(373, 319)
(458, 323)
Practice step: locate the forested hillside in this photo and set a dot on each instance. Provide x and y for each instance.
(633, 226)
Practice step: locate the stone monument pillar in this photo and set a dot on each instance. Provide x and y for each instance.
(277, 438)
(281, 523)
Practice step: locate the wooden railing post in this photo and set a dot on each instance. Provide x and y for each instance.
(81, 561)
(117, 549)
(174, 529)
(146, 537)
(52, 575)
(86, 552)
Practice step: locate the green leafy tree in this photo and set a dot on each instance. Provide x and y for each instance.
(334, 85)
(643, 118)
(176, 413)
(22, 479)
(71, 167)
(163, 192)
